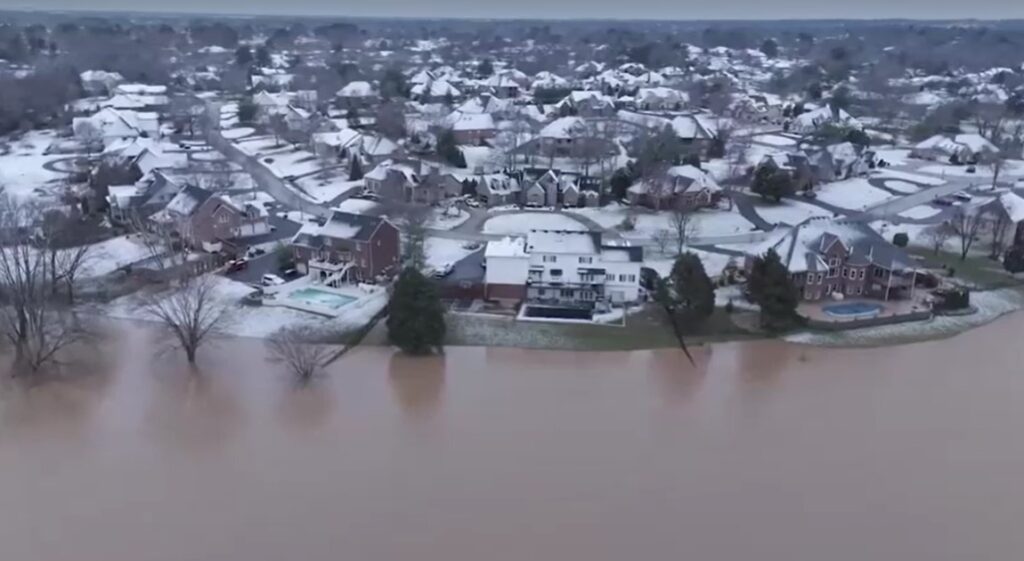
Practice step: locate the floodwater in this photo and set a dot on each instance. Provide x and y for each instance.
(764, 451)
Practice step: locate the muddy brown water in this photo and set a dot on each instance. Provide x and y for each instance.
(763, 451)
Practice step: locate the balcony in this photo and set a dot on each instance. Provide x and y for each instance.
(331, 264)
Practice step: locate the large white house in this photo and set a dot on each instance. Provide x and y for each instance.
(562, 268)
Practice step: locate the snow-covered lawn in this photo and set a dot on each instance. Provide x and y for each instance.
(790, 212)
(447, 218)
(110, 255)
(325, 190)
(920, 212)
(260, 321)
(240, 132)
(894, 156)
(522, 222)
(21, 172)
(706, 222)
(442, 251)
(853, 194)
(609, 216)
(901, 186)
(358, 206)
(487, 159)
(913, 177)
(714, 263)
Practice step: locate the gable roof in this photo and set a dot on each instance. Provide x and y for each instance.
(339, 225)
(802, 247)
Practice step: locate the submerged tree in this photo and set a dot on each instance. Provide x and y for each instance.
(298, 349)
(191, 312)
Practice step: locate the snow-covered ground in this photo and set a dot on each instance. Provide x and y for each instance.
(522, 222)
(447, 218)
(110, 255)
(21, 172)
(325, 190)
(790, 212)
(775, 140)
(920, 212)
(260, 321)
(442, 251)
(239, 132)
(706, 222)
(714, 263)
(907, 176)
(894, 156)
(483, 159)
(901, 186)
(853, 194)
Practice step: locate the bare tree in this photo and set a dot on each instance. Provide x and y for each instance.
(966, 223)
(298, 350)
(279, 127)
(1000, 228)
(662, 238)
(683, 226)
(31, 318)
(937, 235)
(190, 312)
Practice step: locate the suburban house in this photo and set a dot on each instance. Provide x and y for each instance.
(436, 91)
(143, 198)
(108, 125)
(552, 189)
(100, 82)
(829, 258)
(964, 148)
(498, 189)
(347, 247)
(487, 103)
(341, 144)
(154, 96)
(357, 95)
(393, 180)
(806, 170)
(587, 103)
(811, 121)
(660, 98)
(563, 269)
(679, 187)
(471, 128)
(206, 220)
(502, 85)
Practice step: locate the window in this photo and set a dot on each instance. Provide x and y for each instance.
(860, 289)
(627, 278)
(810, 279)
(540, 292)
(862, 274)
(632, 278)
(833, 262)
(833, 273)
(845, 272)
(567, 293)
(586, 260)
(820, 276)
(556, 272)
(550, 259)
(849, 289)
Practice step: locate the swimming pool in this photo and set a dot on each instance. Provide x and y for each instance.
(316, 297)
(853, 310)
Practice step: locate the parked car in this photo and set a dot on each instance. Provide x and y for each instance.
(472, 246)
(236, 265)
(256, 252)
(962, 196)
(444, 271)
(472, 203)
(290, 273)
(272, 280)
(945, 201)
(971, 169)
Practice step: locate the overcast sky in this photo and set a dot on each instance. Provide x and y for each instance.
(619, 9)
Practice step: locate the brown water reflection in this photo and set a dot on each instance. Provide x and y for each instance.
(758, 451)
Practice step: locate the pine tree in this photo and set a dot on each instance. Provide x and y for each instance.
(772, 183)
(694, 293)
(243, 56)
(771, 287)
(448, 149)
(355, 172)
(415, 316)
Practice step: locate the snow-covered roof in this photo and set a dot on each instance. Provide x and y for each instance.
(339, 139)
(357, 89)
(563, 241)
(340, 225)
(815, 119)
(506, 247)
(436, 88)
(802, 247)
(459, 121)
(565, 127)
(141, 89)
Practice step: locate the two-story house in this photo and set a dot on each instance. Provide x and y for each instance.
(347, 247)
(828, 257)
(562, 269)
(206, 220)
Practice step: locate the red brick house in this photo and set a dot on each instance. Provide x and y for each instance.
(347, 247)
(205, 220)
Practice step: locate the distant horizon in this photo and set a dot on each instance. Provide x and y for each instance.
(539, 10)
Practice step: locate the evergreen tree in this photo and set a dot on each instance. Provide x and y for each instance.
(263, 56)
(771, 287)
(449, 150)
(355, 172)
(772, 183)
(770, 48)
(693, 292)
(620, 182)
(246, 111)
(485, 69)
(415, 316)
(243, 56)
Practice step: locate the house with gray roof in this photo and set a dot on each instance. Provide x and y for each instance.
(827, 258)
(347, 247)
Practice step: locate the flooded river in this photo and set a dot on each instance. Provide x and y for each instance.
(764, 451)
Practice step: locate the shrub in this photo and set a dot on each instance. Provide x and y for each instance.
(901, 239)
